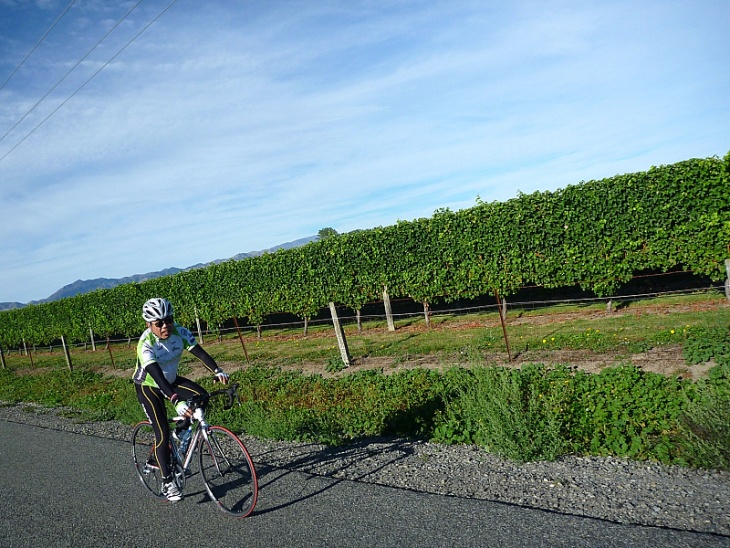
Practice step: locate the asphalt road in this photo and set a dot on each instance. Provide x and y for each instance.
(63, 489)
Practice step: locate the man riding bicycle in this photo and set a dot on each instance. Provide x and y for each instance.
(158, 356)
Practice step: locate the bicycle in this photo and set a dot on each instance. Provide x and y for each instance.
(224, 462)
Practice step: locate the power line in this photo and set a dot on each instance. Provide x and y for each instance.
(90, 78)
(38, 44)
(69, 71)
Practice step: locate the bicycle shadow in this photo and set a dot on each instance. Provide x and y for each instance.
(314, 461)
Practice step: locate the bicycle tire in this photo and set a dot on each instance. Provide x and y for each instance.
(228, 472)
(143, 448)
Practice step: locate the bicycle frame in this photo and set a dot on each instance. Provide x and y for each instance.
(198, 417)
(200, 430)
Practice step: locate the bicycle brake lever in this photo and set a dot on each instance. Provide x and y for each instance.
(232, 392)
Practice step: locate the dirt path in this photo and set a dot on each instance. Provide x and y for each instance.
(666, 360)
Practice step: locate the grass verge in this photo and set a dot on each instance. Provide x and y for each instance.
(536, 412)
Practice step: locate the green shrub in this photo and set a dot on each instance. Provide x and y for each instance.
(527, 414)
(294, 406)
(538, 413)
(518, 414)
(335, 364)
(704, 439)
(704, 343)
(625, 411)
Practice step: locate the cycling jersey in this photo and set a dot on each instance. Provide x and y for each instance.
(166, 352)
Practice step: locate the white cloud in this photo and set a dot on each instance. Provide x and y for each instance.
(241, 126)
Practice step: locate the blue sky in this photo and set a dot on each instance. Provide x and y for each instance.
(228, 127)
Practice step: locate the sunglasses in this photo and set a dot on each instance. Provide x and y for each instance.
(164, 321)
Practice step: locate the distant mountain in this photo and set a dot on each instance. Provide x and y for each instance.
(85, 286)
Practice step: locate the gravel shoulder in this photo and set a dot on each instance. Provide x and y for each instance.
(616, 490)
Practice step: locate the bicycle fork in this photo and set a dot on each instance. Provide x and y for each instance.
(214, 449)
(217, 454)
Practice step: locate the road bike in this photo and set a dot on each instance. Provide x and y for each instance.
(224, 463)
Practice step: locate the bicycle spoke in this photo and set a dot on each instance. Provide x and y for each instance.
(228, 472)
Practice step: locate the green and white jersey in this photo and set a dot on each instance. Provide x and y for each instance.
(166, 352)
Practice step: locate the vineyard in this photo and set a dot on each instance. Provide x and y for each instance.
(595, 235)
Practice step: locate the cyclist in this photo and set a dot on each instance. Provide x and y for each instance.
(158, 356)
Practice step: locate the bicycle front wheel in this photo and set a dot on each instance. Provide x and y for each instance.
(228, 472)
(143, 453)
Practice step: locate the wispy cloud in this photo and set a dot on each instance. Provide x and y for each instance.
(231, 127)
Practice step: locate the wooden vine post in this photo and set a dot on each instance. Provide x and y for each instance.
(727, 279)
(502, 316)
(109, 348)
(240, 338)
(2, 357)
(427, 313)
(28, 353)
(388, 309)
(197, 323)
(67, 354)
(341, 340)
(93, 342)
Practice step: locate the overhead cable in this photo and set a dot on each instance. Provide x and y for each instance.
(70, 71)
(38, 44)
(88, 79)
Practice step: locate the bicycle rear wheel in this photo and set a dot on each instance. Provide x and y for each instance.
(143, 453)
(145, 464)
(228, 472)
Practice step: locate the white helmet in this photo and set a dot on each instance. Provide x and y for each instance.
(156, 309)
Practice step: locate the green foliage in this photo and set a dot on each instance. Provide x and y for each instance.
(596, 234)
(540, 413)
(527, 414)
(326, 232)
(518, 414)
(96, 396)
(627, 412)
(294, 406)
(704, 343)
(704, 437)
(533, 413)
(335, 364)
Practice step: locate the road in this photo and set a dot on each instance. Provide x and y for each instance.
(64, 489)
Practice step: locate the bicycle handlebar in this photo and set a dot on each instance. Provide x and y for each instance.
(231, 392)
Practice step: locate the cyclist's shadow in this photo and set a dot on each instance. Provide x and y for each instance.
(278, 477)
